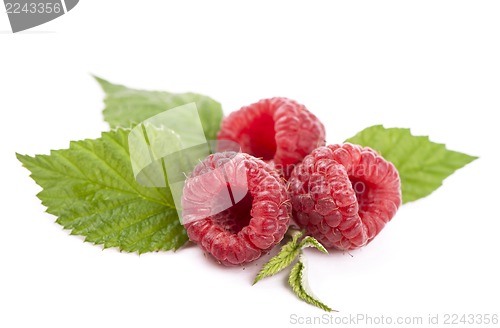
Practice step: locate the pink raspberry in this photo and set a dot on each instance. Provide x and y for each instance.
(235, 207)
(277, 129)
(343, 195)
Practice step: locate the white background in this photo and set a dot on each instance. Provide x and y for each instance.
(433, 66)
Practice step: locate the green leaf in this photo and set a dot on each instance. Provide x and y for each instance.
(309, 241)
(283, 259)
(91, 189)
(298, 282)
(422, 164)
(126, 107)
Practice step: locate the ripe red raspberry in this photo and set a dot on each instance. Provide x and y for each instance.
(343, 195)
(277, 129)
(235, 207)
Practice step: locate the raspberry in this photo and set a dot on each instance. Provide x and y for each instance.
(235, 207)
(343, 195)
(277, 129)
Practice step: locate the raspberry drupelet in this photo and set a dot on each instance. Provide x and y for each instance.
(276, 129)
(343, 195)
(235, 207)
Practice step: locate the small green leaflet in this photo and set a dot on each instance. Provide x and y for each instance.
(285, 257)
(126, 107)
(298, 281)
(91, 189)
(422, 164)
(287, 254)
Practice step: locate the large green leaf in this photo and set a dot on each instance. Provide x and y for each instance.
(91, 189)
(422, 164)
(126, 107)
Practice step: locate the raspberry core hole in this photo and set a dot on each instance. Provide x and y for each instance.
(262, 135)
(237, 216)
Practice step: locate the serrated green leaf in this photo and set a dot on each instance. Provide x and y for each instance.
(422, 164)
(309, 241)
(91, 189)
(126, 107)
(298, 281)
(283, 259)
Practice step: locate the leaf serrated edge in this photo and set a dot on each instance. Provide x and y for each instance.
(287, 254)
(176, 241)
(408, 197)
(309, 241)
(297, 280)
